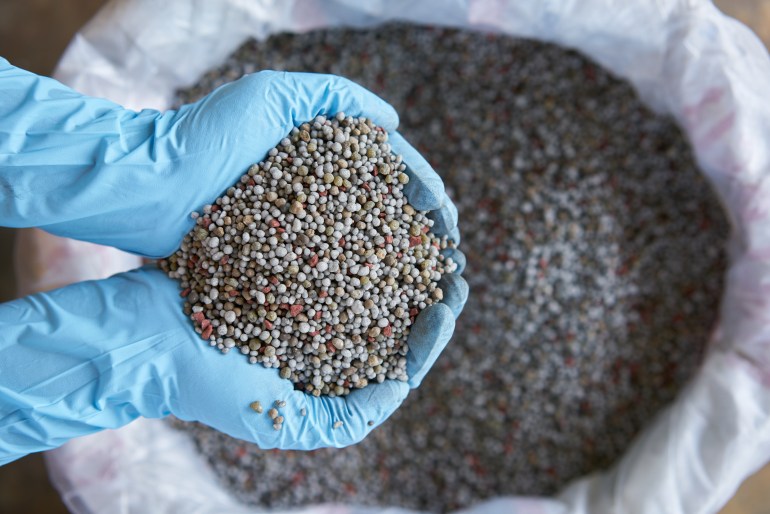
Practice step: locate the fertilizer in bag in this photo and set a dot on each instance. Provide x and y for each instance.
(594, 257)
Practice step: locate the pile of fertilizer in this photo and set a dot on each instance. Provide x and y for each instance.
(314, 262)
(595, 259)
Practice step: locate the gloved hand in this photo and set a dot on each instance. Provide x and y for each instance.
(88, 169)
(99, 354)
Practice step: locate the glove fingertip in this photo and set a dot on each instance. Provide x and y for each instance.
(425, 190)
(444, 219)
(455, 290)
(381, 113)
(430, 334)
(365, 409)
(458, 257)
(377, 401)
(454, 235)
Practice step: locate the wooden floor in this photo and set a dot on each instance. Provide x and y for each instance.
(33, 33)
(753, 497)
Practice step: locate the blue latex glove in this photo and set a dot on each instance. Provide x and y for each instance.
(88, 169)
(99, 354)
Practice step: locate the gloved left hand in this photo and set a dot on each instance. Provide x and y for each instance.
(99, 354)
(88, 169)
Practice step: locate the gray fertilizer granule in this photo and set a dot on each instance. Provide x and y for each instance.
(595, 255)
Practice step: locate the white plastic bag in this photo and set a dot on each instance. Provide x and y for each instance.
(683, 56)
